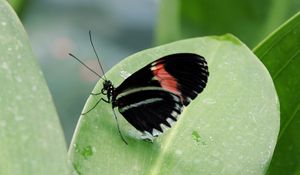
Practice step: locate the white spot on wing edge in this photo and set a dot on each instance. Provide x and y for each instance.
(178, 107)
(176, 98)
(188, 99)
(147, 136)
(163, 127)
(170, 121)
(204, 74)
(156, 132)
(174, 114)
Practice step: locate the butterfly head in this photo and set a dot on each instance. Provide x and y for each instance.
(107, 85)
(108, 88)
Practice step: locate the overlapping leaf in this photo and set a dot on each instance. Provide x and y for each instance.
(231, 128)
(31, 139)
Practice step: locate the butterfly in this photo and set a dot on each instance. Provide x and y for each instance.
(152, 98)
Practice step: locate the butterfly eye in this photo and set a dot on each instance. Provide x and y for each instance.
(107, 85)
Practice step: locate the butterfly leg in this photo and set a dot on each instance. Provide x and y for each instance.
(95, 93)
(119, 127)
(101, 99)
(103, 92)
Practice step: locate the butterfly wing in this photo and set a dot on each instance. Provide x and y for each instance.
(154, 96)
(184, 74)
(150, 110)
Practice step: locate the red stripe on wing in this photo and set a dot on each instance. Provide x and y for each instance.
(166, 80)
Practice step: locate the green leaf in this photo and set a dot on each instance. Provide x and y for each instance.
(250, 20)
(18, 5)
(280, 53)
(231, 128)
(31, 139)
(168, 16)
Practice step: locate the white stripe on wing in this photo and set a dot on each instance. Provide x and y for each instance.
(144, 102)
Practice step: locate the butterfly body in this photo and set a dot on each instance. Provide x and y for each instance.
(152, 98)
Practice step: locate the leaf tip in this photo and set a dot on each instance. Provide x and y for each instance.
(228, 37)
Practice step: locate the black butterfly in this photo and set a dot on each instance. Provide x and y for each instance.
(152, 98)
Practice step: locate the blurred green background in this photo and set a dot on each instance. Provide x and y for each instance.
(121, 28)
(57, 27)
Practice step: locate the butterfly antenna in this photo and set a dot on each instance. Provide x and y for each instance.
(85, 65)
(90, 34)
(119, 127)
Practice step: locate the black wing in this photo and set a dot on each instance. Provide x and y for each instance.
(153, 97)
(150, 110)
(184, 74)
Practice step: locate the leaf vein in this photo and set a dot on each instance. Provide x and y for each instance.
(277, 40)
(288, 122)
(286, 64)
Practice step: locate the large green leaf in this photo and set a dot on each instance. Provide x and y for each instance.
(280, 52)
(250, 20)
(31, 139)
(231, 128)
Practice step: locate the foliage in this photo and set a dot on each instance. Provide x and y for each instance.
(231, 128)
(280, 53)
(249, 20)
(235, 121)
(32, 141)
